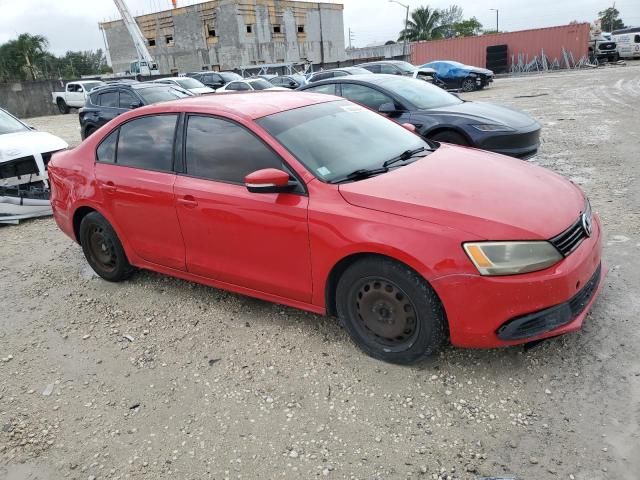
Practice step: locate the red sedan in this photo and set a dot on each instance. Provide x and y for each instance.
(314, 202)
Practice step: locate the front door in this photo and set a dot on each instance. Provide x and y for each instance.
(134, 173)
(258, 241)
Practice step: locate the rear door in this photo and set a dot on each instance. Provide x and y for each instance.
(259, 241)
(109, 102)
(134, 172)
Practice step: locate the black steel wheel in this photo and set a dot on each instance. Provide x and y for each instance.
(468, 84)
(390, 312)
(103, 249)
(62, 106)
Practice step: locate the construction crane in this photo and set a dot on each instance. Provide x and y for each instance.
(144, 65)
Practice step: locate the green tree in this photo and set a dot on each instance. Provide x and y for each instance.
(424, 25)
(467, 28)
(449, 17)
(610, 19)
(31, 48)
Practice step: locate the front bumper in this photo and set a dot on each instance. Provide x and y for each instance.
(523, 143)
(478, 307)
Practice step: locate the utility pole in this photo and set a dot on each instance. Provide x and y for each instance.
(351, 37)
(497, 24)
(406, 27)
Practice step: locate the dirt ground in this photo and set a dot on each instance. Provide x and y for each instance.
(164, 379)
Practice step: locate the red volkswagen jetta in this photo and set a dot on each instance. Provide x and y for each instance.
(315, 202)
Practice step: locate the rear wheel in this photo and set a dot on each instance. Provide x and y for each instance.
(62, 106)
(102, 248)
(89, 131)
(468, 84)
(449, 136)
(390, 312)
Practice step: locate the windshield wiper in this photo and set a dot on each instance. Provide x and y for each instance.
(361, 173)
(406, 155)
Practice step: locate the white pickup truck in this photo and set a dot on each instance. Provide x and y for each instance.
(74, 94)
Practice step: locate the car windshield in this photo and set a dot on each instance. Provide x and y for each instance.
(456, 64)
(406, 67)
(334, 139)
(261, 84)
(188, 83)
(229, 76)
(8, 124)
(161, 94)
(91, 85)
(421, 94)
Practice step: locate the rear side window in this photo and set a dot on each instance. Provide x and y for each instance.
(388, 69)
(221, 150)
(147, 143)
(109, 99)
(329, 89)
(107, 149)
(373, 68)
(238, 86)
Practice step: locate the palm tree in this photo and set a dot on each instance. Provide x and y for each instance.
(31, 48)
(424, 25)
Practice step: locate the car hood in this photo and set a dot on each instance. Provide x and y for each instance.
(490, 196)
(201, 90)
(484, 71)
(487, 113)
(30, 142)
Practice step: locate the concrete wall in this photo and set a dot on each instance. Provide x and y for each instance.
(395, 51)
(29, 99)
(194, 48)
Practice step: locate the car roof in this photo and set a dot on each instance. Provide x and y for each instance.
(248, 105)
(378, 79)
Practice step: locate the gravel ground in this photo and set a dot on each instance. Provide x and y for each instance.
(164, 379)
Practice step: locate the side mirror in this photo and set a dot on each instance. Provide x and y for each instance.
(268, 180)
(410, 127)
(135, 105)
(388, 109)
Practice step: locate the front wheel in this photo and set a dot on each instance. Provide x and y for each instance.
(390, 312)
(62, 106)
(102, 248)
(468, 84)
(449, 136)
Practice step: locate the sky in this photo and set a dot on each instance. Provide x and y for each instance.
(73, 24)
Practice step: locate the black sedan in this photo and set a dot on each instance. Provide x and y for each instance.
(439, 115)
(106, 103)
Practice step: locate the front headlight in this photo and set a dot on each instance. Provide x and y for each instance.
(493, 128)
(510, 258)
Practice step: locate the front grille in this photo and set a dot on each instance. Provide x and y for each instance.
(606, 46)
(19, 167)
(569, 240)
(537, 323)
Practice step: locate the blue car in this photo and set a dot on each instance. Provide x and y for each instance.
(457, 76)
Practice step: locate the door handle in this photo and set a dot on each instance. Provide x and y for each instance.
(109, 187)
(188, 201)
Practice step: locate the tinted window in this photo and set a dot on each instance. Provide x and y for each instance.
(107, 149)
(389, 69)
(261, 84)
(330, 89)
(109, 99)
(321, 76)
(340, 74)
(365, 95)
(161, 93)
(279, 81)
(420, 93)
(127, 99)
(373, 68)
(147, 143)
(636, 39)
(221, 150)
(238, 86)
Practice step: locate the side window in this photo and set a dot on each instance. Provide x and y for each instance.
(95, 99)
(339, 74)
(71, 87)
(277, 81)
(322, 76)
(106, 151)
(221, 150)
(329, 89)
(238, 86)
(147, 143)
(388, 69)
(636, 39)
(365, 95)
(127, 99)
(373, 68)
(109, 99)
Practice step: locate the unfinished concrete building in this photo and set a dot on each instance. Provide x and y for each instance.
(229, 34)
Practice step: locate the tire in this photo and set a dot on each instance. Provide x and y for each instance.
(468, 84)
(449, 136)
(62, 106)
(103, 249)
(390, 312)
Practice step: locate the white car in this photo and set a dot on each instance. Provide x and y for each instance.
(249, 85)
(24, 156)
(74, 95)
(188, 83)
